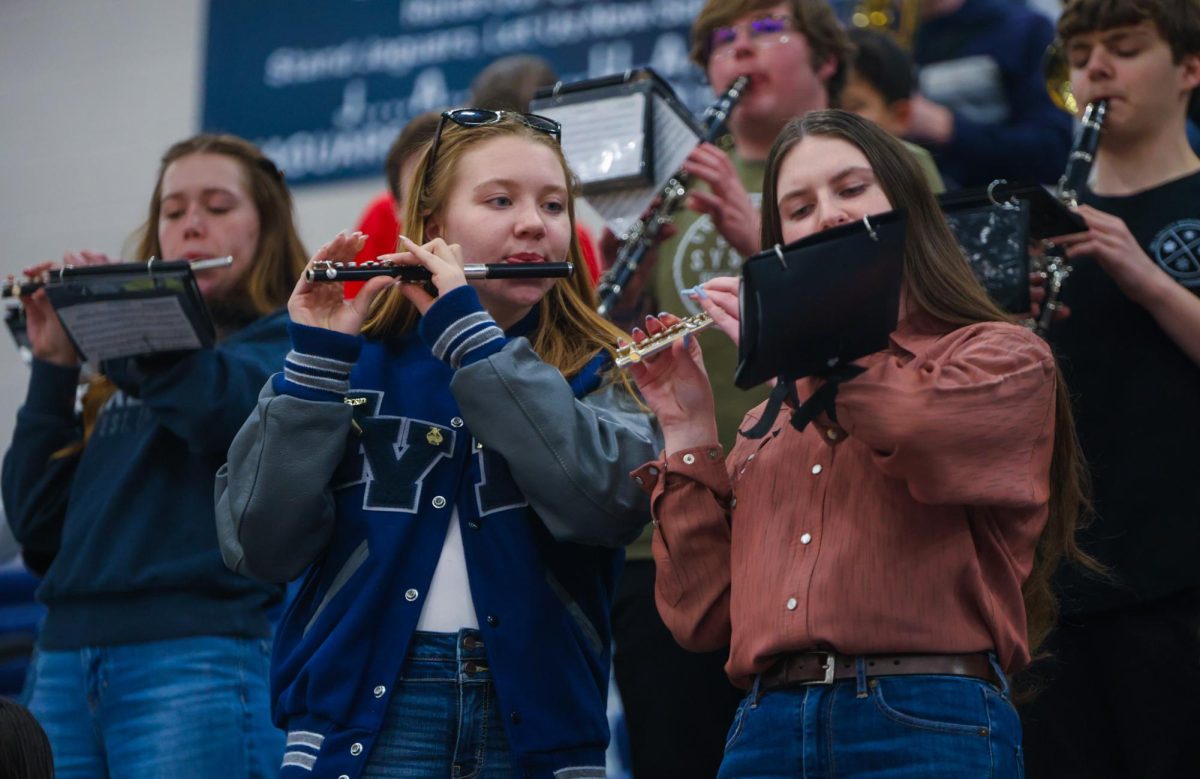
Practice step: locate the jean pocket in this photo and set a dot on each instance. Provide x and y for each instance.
(739, 718)
(939, 704)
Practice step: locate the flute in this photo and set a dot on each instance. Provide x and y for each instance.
(636, 352)
(419, 274)
(15, 288)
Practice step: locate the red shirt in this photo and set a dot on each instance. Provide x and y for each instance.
(909, 528)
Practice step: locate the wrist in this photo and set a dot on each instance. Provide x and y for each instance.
(676, 438)
(62, 358)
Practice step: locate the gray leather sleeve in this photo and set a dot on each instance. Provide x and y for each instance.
(571, 458)
(274, 506)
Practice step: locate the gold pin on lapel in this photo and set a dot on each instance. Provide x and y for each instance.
(434, 437)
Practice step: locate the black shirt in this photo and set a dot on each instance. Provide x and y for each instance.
(1137, 410)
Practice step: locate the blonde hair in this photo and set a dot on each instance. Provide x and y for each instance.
(569, 332)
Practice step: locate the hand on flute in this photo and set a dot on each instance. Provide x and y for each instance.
(675, 386)
(719, 299)
(324, 305)
(443, 260)
(47, 338)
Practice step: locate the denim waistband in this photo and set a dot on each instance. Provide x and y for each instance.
(446, 656)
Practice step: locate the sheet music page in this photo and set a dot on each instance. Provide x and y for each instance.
(603, 139)
(109, 329)
(674, 139)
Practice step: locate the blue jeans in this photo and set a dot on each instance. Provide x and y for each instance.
(443, 719)
(188, 707)
(923, 727)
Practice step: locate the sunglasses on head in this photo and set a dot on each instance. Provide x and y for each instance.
(481, 117)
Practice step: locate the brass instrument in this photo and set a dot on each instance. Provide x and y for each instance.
(636, 352)
(897, 18)
(326, 270)
(644, 233)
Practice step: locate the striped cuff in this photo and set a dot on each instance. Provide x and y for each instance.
(458, 330)
(302, 749)
(319, 364)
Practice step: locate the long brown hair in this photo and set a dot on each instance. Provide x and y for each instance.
(569, 332)
(940, 282)
(279, 257)
(278, 260)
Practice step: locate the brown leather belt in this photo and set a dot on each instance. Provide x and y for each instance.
(828, 667)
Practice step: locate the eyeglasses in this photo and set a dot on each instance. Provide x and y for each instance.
(480, 117)
(762, 32)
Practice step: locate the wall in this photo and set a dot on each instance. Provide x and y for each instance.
(93, 93)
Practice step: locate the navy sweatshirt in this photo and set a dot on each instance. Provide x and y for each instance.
(129, 521)
(1004, 123)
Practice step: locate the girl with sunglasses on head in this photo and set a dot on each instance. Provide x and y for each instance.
(879, 571)
(450, 475)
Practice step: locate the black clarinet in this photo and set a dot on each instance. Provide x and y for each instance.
(418, 274)
(1079, 166)
(644, 233)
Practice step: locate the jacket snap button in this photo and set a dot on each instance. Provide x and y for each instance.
(356, 749)
(493, 620)
(410, 595)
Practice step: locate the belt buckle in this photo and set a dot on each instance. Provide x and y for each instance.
(829, 667)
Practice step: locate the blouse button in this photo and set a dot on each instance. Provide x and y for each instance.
(439, 502)
(410, 595)
(713, 454)
(688, 459)
(816, 469)
(751, 457)
(791, 604)
(640, 481)
(804, 539)
(733, 503)
(652, 471)
(831, 434)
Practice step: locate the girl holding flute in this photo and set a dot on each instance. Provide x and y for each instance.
(152, 660)
(881, 570)
(449, 476)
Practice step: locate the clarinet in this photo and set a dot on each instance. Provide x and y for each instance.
(16, 288)
(325, 270)
(644, 233)
(1079, 166)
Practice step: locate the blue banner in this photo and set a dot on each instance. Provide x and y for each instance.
(324, 86)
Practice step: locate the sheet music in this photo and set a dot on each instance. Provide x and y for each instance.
(603, 139)
(108, 329)
(674, 139)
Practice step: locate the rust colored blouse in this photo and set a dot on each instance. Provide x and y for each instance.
(908, 527)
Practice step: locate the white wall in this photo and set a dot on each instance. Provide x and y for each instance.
(92, 93)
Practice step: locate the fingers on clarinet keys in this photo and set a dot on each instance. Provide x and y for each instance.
(663, 331)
